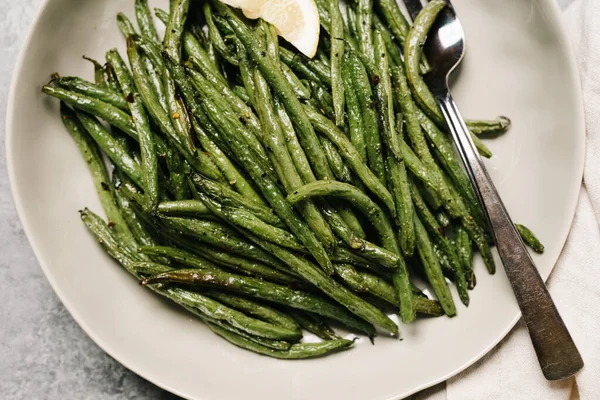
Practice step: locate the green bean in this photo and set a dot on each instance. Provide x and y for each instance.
(323, 10)
(89, 89)
(151, 50)
(385, 101)
(301, 91)
(483, 150)
(336, 55)
(162, 15)
(330, 287)
(352, 221)
(425, 306)
(176, 180)
(250, 136)
(111, 147)
(448, 255)
(144, 19)
(229, 170)
(322, 71)
(433, 269)
(122, 77)
(296, 351)
(220, 255)
(305, 67)
(91, 154)
(128, 189)
(352, 157)
(214, 58)
(530, 239)
(272, 49)
(191, 208)
(96, 107)
(195, 51)
(443, 219)
(415, 39)
(356, 198)
(354, 68)
(355, 121)
(246, 220)
(396, 21)
(278, 345)
(224, 195)
(431, 197)
(215, 235)
(294, 148)
(207, 255)
(148, 152)
(199, 161)
(262, 290)
(314, 325)
(256, 310)
(399, 186)
(174, 29)
(393, 51)
(239, 320)
(99, 72)
(125, 25)
(154, 79)
(103, 235)
(351, 21)
(447, 156)
(299, 88)
(271, 38)
(340, 170)
(478, 236)
(183, 257)
(240, 91)
(244, 112)
(323, 102)
(364, 282)
(269, 41)
(275, 142)
(110, 79)
(216, 38)
(417, 167)
(211, 311)
(273, 75)
(246, 74)
(464, 249)
(178, 114)
(142, 124)
(366, 249)
(364, 27)
(396, 169)
(496, 126)
(139, 232)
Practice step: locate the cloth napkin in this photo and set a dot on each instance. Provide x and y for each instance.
(511, 370)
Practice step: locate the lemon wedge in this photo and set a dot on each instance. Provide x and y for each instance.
(297, 21)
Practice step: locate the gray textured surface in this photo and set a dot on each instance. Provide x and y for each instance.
(43, 353)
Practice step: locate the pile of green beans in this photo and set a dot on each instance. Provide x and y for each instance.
(270, 194)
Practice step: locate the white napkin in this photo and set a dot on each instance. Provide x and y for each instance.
(511, 370)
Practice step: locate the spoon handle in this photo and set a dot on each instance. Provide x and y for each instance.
(557, 354)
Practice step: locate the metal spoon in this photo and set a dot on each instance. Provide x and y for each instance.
(557, 354)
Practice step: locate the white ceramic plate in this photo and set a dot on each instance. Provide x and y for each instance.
(518, 64)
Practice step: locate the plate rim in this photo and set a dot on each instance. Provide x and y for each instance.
(581, 136)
